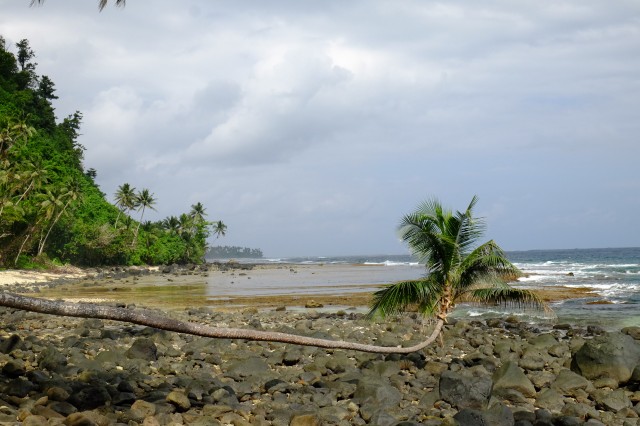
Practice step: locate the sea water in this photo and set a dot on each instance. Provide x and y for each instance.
(613, 274)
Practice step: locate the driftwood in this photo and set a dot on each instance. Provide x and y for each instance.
(151, 319)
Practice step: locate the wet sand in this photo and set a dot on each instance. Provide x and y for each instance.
(265, 286)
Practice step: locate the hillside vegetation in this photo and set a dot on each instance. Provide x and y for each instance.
(52, 210)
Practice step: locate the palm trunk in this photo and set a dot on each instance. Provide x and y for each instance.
(117, 218)
(135, 234)
(43, 241)
(15, 262)
(150, 319)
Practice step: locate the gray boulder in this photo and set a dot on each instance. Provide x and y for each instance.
(510, 376)
(143, 348)
(465, 391)
(378, 390)
(612, 355)
(568, 382)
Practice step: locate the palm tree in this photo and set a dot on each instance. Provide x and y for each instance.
(145, 200)
(219, 229)
(101, 4)
(459, 270)
(171, 224)
(68, 195)
(198, 212)
(126, 199)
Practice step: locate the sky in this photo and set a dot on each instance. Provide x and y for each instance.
(311, 128)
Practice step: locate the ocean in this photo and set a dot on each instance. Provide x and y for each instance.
(613, 274)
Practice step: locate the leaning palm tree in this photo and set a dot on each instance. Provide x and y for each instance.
(459, 269)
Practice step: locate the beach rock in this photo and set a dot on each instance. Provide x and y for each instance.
(143, 348)
(179, 400)
(613, 355)
(567, 383)
(465, 391)
(550, 399)
(511, 377)
(613, 401)
(52, 359)
(10, 343)
(14, 368)
(90, 397)
(633, 331)
(312, 304)
(497, 415)
(376, 390)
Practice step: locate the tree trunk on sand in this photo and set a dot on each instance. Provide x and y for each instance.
(90, 310)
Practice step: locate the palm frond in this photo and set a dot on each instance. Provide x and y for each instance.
(395, 298)
(506, 296)
(486, 260)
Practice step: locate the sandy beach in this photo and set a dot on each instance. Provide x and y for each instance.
(18, 276)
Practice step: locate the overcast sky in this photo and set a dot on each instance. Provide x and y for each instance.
(311, 127)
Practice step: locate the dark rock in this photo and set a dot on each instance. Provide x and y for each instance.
(19, 387)
(271, 383)
(51, 359)
(510, 376)
(143, 348)
(567, 421)
(62, 407)
(464, 391)
(90, 397)
(499, 415)
(612, 355)
(377, 389)
(10, 343)
(248, 367)
(470, 417)
(14, 368)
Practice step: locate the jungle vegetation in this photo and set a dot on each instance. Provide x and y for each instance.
(52, 210)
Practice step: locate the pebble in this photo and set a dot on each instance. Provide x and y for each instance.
(495, 372)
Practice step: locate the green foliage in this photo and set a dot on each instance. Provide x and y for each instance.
(51, 208)
(459, 269)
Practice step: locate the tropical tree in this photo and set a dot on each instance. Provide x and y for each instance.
(171, 224)
(66, 197)
(458, 268)
(125, 199)
(219, 229)
(145, 200)
(198, 212)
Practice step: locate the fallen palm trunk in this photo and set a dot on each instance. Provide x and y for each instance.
(91, 310)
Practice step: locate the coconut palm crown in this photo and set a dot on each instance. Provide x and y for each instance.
(458, 268)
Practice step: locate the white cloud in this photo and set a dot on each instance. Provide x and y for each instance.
(315, 126)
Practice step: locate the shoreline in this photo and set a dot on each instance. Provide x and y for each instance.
(172, 287)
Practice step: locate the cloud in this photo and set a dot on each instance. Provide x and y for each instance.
(312, 127)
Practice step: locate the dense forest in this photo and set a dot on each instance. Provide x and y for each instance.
(228, 252)
(51, 209)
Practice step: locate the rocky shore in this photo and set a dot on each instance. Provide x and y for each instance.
(495, 372)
